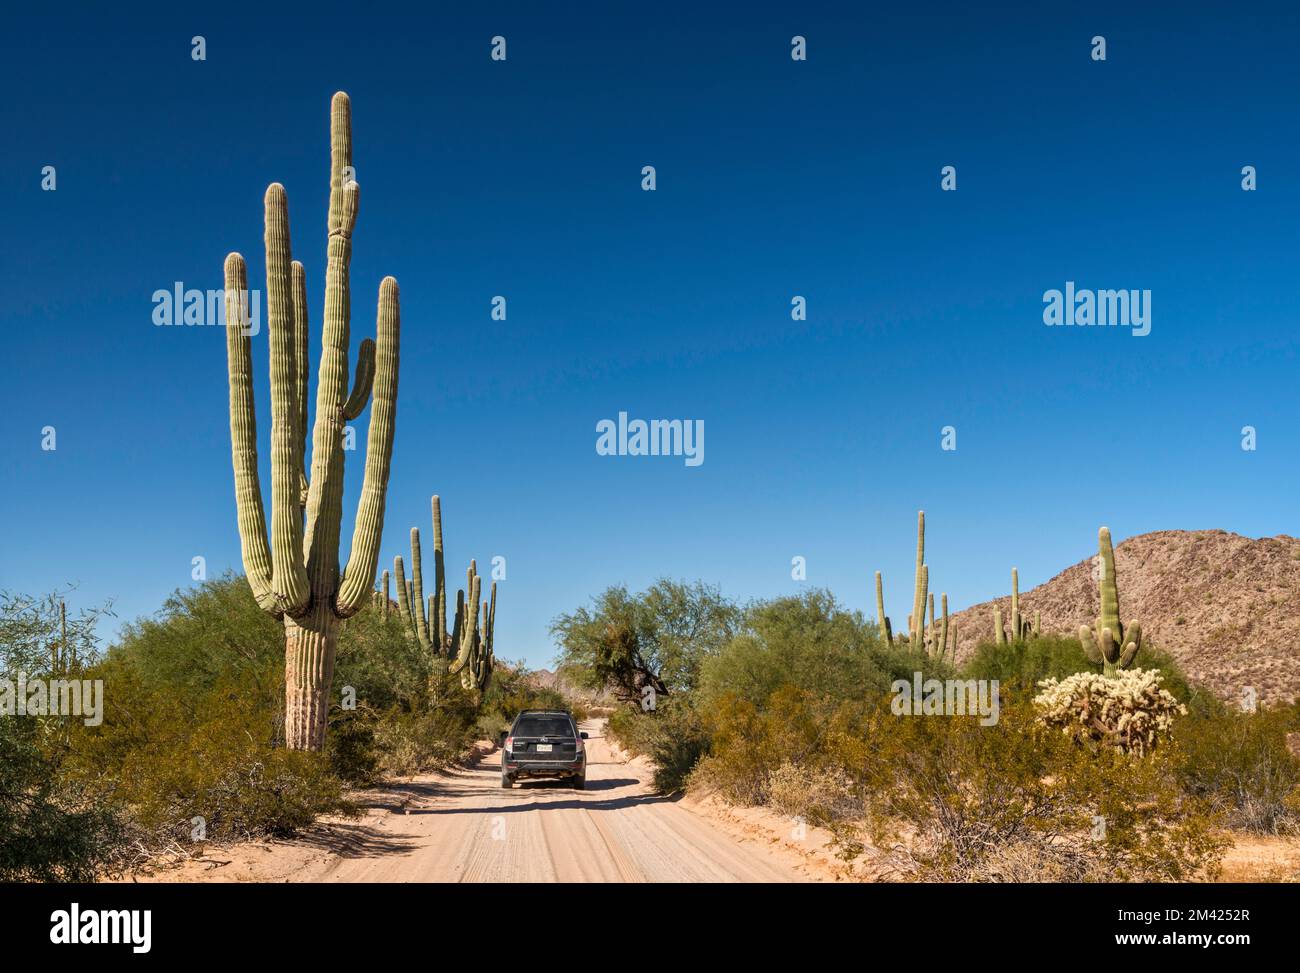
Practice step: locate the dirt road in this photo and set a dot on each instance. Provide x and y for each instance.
(464, 827)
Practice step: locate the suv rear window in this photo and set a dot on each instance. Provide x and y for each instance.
(544, 726)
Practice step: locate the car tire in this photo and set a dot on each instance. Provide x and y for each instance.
(506, 782)
(578, 783)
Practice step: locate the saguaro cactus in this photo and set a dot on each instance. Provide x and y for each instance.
(881, 618)
(296, 576)
(474, 656)
(1017, 632)
(917, 623)
(429, 629)
(1108, 642)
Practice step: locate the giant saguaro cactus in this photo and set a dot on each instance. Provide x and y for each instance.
(296, 575)
(1108, 642)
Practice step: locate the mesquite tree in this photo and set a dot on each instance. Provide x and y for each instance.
(296, 576)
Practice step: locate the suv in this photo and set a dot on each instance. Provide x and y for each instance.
(544, 743)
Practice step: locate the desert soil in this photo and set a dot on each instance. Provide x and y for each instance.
(462, 826)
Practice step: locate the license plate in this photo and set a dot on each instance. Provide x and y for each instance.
(543, 748)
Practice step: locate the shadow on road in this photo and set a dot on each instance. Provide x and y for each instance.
(354, 841)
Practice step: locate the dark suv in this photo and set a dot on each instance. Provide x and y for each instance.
(544, 743)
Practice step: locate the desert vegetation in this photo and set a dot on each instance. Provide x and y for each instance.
(192, 743)
(1104, 763)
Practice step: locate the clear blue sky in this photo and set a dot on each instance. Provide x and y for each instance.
(775, 178)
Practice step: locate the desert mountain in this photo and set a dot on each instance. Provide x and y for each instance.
(1226, 607)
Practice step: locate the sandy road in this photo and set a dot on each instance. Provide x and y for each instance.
(464, 827)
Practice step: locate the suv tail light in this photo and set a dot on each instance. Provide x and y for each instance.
(510, 742)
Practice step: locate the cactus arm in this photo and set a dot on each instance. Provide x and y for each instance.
(469, 633)
(325, 488)
(386, 589)
(999, 636)
(1109, 588)
(943, 631)
(250, 515)
(1089, 643)
(288, 574)
(889, 631)
(417, 587)
(403, 594)
(1132, 643)
(361, 382)
(457, 625)
(360, 574)
(439, 574)
(301, 360)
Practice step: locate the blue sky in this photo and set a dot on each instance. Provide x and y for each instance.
(775, 178)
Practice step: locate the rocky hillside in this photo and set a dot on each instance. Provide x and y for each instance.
(1227, 607)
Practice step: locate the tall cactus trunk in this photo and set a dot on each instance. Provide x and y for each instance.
(916, 623)
(310, 644)
(440, 575)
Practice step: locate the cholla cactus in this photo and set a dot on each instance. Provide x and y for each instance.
(295, 577)
(1129, 711)
(1108, 642)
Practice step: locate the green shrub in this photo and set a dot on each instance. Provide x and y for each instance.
(749, 744)
(166, 759)
(808, 641)
(1241, 765)
(50, 828)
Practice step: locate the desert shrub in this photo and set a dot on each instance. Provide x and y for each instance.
(673, 736)
(51, 829)
(629, 727)
(166, 759)
(951, 800)
(749, 744)
(677, 739)
(820, 795)
(1241, 765)
(808, 641)
(1128, 712)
